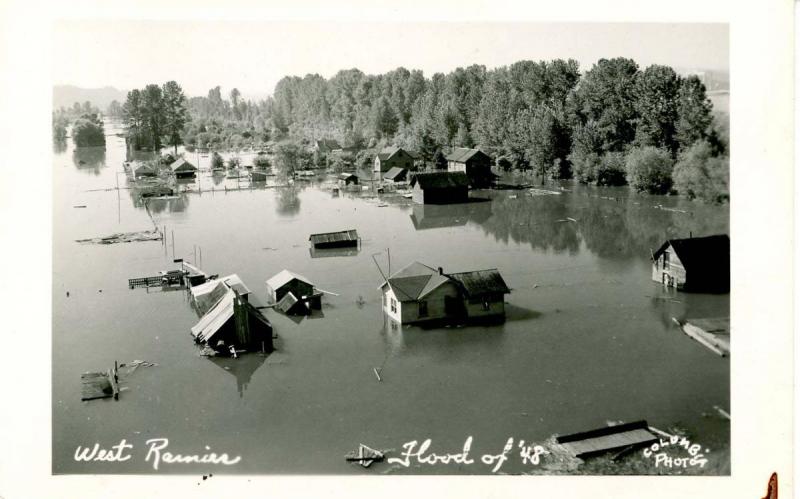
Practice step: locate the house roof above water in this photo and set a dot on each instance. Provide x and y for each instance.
(284, 277)
(440, 180)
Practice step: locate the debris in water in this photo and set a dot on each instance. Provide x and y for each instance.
(377, 374)
(80, 206)
(124, 237)
(365, 456)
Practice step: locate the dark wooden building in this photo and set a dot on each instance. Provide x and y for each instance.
(440, 188)
(346, 179)
(700, 264)
(292, 293)
(474, 162)
(390, 157)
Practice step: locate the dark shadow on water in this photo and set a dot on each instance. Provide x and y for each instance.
(89, 159)
(450, 341)
(242, 368)
(517, 313)
(287, 201)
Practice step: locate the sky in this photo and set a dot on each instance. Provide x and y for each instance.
(254, 56)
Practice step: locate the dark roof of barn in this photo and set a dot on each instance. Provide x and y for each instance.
(394, 172)
(331, 237)
(463, 154)
(481, 282)
(347, 176)
(387, 152)
(440, 180)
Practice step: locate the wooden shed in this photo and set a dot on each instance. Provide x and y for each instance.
(293, 293)
(396, 175)
(474, 162)
(348, 179)
(440, 188)
(144, 170)
(699, 264)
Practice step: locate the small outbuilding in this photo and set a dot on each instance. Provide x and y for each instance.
(390, 157)
(346, 179)
(474, 162)
(396, 175)
(440, 188)
(325, 146)
(292, 293)
(700, 264)
(183, 169)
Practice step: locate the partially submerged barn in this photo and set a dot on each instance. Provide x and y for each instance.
(293, 294)
(699, 264)
(418, 293)
(440, 188)
(390, 157)
(396, 175)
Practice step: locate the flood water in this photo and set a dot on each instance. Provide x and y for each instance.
(588, 336)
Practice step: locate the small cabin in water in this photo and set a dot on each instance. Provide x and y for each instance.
(232, 325)
(700, 264)
(346, 179)
(418, 294)
(440, 188)
(183, 169)
(292, 293)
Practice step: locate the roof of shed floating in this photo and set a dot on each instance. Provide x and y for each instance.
(440, 180)
(332, 237)
(463, 154)
(215, 318)
(481, 282)
(181, 165)
(284, 277)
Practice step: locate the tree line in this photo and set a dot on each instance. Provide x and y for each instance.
(155, 114)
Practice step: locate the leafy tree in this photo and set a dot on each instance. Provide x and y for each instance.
(153, 112)
(114, 109)
(174, 112)
(233, 163)
(133, 115)
(262, 162)
(288, 158)
(439, 160)
(700, 174)
(657, 107)
(694, 113)
(611, 169)
(649, 169)
(87, 131)
(217, 163)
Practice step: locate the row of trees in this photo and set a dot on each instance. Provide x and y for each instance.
(156, 113)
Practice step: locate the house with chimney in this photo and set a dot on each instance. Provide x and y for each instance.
(419, 294)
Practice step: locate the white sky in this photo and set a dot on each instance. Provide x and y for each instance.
(253, 56)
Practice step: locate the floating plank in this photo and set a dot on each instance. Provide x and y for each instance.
(712, 333)
(607, 439)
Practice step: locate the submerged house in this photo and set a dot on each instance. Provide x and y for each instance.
(233, 325)
(143, 170)
(390, 157)
(396, 175)
(293, 294)
(440, 188)
(418, 293)
(207, 294)
(695, 264)
(474, 162)
(183, 169)
(332, 240)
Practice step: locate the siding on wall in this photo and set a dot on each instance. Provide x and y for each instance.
(675, 269)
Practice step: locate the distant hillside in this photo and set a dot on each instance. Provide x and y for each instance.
(66, 95)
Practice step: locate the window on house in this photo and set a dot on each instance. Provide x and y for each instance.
(666, 260)
(394, 305)
(423, 309)
(486, 305)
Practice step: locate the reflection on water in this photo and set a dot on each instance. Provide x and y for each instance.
(59, 145)
(170, 204)
(434, 216)
(89, 159)
(242, 368)
(288, 201)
